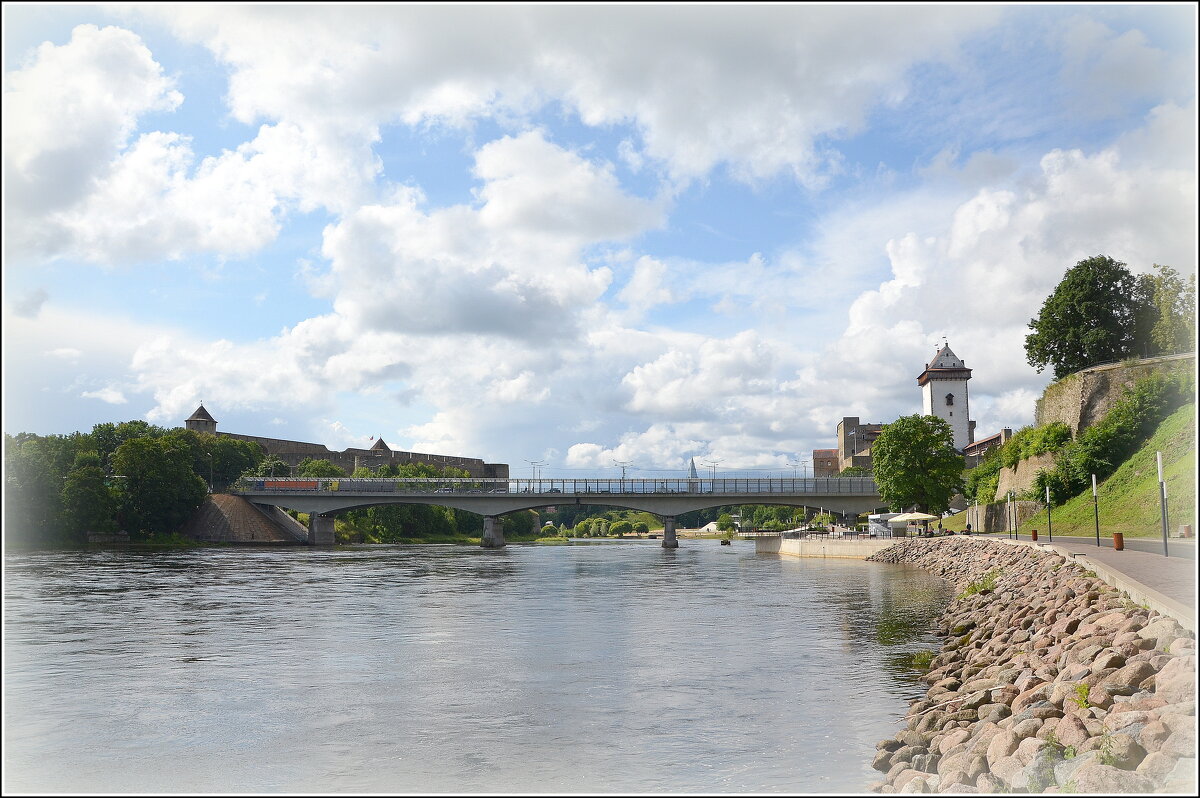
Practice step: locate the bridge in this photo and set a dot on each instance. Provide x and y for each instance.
(492, 498)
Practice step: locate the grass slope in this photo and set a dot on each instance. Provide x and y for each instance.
(1129, 499)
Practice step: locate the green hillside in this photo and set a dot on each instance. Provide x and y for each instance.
(1129, 499)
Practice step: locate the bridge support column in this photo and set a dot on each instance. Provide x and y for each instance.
(320, 530)
(493, 533)
(669, 539)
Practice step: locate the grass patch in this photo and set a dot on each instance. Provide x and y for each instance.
(985, 584)
(1129, 498)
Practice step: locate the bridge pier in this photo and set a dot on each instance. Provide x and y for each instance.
(320, 530)
(669, 539)
(493, 533)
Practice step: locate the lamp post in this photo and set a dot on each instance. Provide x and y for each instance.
(1049, 523)
(1096, 507)
(534, 464)
(1009, 526)
(1162, 493)
(212, 487)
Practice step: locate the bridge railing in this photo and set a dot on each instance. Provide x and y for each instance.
(853, 486)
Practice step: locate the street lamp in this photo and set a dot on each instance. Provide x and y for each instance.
(1096, 507)
(535, 465)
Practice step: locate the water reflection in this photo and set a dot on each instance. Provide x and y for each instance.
(616, 667)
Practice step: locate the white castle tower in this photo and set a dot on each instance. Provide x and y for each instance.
(944, 394)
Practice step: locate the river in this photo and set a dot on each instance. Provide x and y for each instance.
(596, 667)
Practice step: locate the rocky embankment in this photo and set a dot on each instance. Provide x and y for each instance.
(1049, 681)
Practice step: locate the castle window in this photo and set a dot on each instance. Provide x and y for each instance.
(949, 399)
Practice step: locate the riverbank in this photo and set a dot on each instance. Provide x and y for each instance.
(1049, 680)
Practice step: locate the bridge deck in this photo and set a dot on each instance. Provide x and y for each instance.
(492, 497)
(823, 486)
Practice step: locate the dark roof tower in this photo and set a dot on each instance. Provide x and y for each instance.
(379, 444)
(201, 421)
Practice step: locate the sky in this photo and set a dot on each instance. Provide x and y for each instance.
(575, 235)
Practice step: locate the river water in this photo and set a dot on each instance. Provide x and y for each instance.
(602, 667)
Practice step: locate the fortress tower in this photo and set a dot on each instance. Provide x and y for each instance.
(944, 394)
(201, 421)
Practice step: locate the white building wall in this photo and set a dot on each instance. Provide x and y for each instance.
(933, 401)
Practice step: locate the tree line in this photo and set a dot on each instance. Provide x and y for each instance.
(130, 476)
(146, 480)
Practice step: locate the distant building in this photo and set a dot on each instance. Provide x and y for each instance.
(825, 462)
(974, 453)
(854, 442)
(944, 394)
(292, 452)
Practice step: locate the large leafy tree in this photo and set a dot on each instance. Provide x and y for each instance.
(915, 464)
(1092, 317)
(157, 488)
(87, 502)
(1167, 312)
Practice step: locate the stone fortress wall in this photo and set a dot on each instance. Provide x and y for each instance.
(292, 452)
(1083, 398)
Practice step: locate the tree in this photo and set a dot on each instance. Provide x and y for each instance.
(854, 471)
(1092, 317)
(725, 523)
(621, 528)
(158, 489)
(88, 505)
(1167, 311)
(311, 468)
(273, 466)
(915, 463)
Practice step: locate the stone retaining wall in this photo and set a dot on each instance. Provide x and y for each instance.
(1049, 681)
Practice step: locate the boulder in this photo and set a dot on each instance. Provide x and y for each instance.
(1181, 743)
(1157, 767)
(1011, 772)
(1176, 682)
(1093, 777)
(1028, 749)
(951, 739)
(1001, 746)
(1124, 751)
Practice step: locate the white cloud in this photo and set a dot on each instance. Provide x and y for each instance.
(1109, 71)
(757, 88)
(70, 109)
(110, 395)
